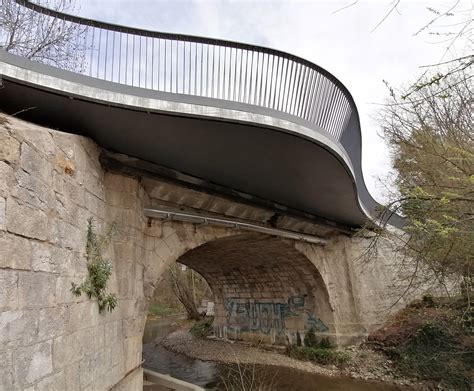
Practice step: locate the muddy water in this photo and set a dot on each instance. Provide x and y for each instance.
(212, 376)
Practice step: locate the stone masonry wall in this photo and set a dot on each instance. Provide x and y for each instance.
(52, 182)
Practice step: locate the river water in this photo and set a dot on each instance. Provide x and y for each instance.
(213, 376)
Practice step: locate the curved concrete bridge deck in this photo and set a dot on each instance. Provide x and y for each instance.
(256, 123)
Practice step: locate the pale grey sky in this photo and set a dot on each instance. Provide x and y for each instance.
(342, 42)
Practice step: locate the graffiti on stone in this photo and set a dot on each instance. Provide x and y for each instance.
(265, 316)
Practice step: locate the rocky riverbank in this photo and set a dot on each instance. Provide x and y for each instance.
(365, 363)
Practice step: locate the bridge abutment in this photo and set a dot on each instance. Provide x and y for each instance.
(266, 288)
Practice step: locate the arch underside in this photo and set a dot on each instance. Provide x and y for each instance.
(264, 289)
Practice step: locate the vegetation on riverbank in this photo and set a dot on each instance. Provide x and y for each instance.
(317, 350)
(158, 310)
(203, 327)
(431, 340)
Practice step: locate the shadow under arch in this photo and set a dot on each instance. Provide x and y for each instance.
(264, 288)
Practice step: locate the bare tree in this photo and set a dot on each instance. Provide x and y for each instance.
(450, 25)
(183, 285)
(430, 135)
(40, 37)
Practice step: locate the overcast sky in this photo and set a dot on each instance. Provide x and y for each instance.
(341, 42)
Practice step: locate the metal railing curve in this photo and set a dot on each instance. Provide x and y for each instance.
(204, 67)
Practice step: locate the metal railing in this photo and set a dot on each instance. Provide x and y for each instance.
(202, 67)
(198, 66)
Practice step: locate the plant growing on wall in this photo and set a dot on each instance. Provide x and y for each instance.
(99, 270)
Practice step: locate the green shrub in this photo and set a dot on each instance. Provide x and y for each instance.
(428, 340)
(319, 355)
(310, 339)
(157, 310)
(99, 270)
(203, 327)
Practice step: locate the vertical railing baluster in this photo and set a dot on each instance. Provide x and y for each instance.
(223, 78)
(152, 63)
(274, 87)
(164, 68)
(190, 66)
(299, 89)
(234, 90)
(309, 101)
(317, 78)
(106, 51)
(290, 83)
(126, 62)
(177, 66)
(159, 63)
(98, 53)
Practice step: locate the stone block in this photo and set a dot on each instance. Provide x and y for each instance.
(29, 189)
(15, 252)
(83, 314)
(6, 179)
(8, 289)
(67, 350)
(26, 220)
(18, 328)
(91, 367)
(36, 289)
(35, 163)
(69, 236)
(72, 378)
(52, 322)
(42, 258)
(56, 382)
(63, 290)
(36, 136)
(95, 205)
(3, 212)
(9, 147)
(6, 369)
(94, 185)
(32, 363)
(115, 182)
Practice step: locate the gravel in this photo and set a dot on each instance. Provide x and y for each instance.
(364, 364)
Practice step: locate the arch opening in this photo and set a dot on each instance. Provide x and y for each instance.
(264, 289)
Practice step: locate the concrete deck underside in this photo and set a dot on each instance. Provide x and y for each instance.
(260, 156)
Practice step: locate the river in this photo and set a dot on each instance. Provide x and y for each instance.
(212, 376)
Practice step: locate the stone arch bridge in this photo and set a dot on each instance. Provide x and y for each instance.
(240, 162)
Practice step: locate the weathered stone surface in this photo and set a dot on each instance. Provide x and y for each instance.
(6, 179)
(56, 183)
(52, 322)
(15, 252)
(36, 289)
(6, 369)
(8, 289)
(18, 328)
(9, 147)
(26, 220)
(56, 382)
(31, 190)
(33, 362)
(35, 163)
(3, 212)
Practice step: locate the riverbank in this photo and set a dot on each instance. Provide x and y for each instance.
(365, 364)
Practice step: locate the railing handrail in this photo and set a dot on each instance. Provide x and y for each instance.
(184, 38)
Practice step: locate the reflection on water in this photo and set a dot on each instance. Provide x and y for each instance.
(209, 375)
(159, 328)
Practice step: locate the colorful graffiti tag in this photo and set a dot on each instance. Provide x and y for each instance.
(265, 316)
